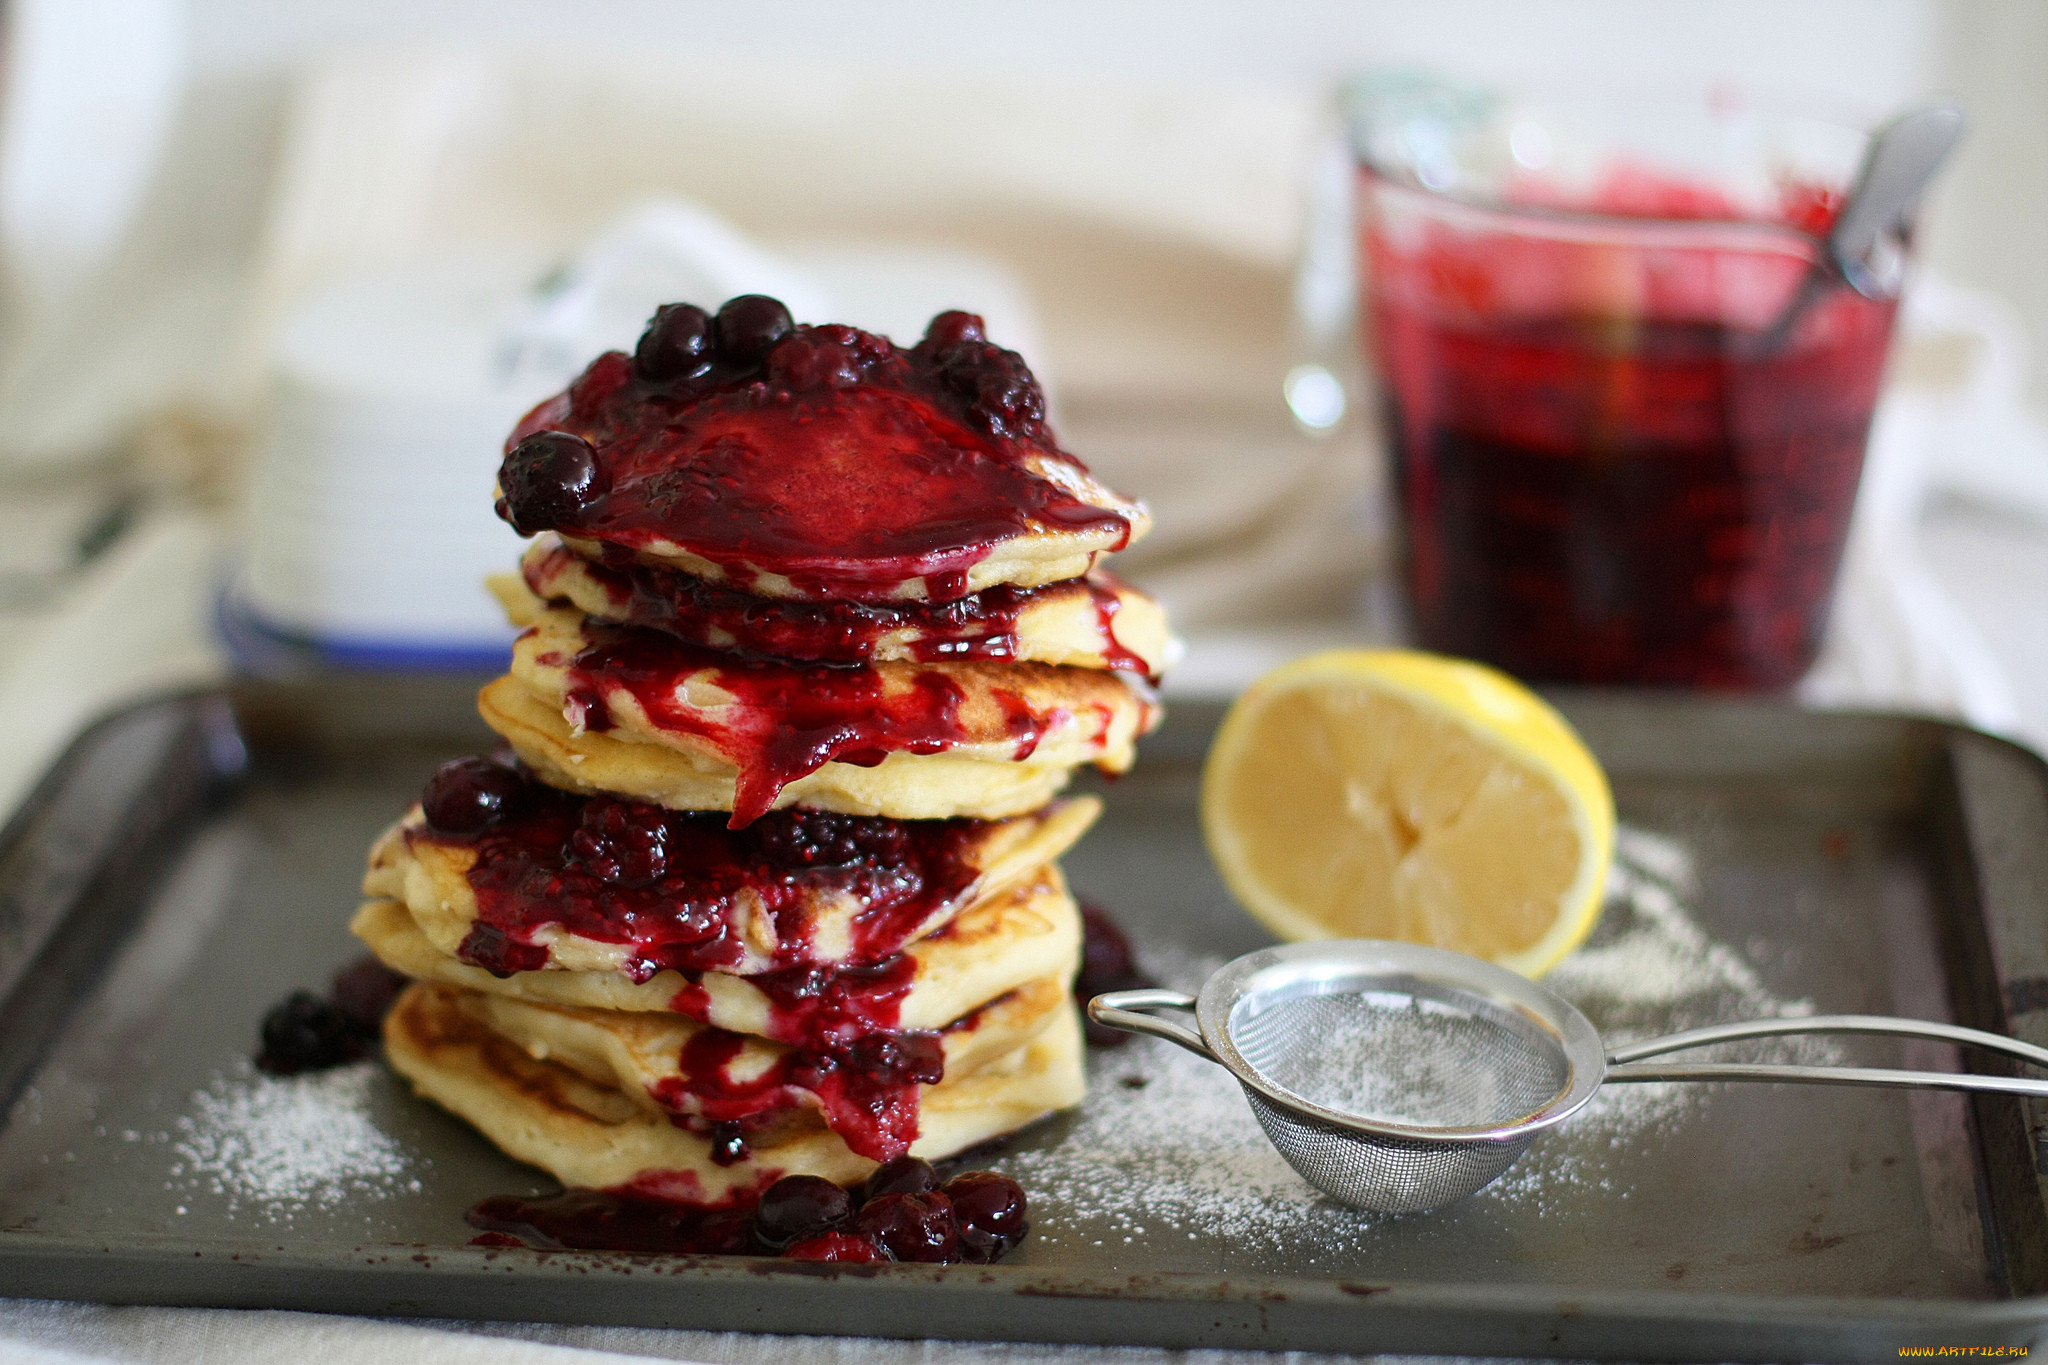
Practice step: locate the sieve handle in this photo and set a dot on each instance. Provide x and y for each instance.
(1625, 1064)
(1830, 1023)
(1118, 1009)
(1829, 1075)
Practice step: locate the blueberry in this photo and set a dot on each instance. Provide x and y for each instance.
(990, 1209)
(750, 325)
(549, 479)
(306, 1033)
(677, 344)
(1105, 950)
(363, 992)
(798, 1207)
(469, 795)
(904, 1175)
(1107, 964)
(912, 1227)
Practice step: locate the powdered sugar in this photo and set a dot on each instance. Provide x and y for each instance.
(284, 1144)
(1402, 1058)
(1166, 1140)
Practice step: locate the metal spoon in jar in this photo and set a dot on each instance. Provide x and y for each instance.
(1863, 249)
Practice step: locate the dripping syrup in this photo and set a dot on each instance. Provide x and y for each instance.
(787, 721)
(867, 1091)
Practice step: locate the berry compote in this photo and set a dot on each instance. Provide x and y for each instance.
(674, 886)
(850, 468)
(867, 1089)
(976, 1216)
(1609, 470)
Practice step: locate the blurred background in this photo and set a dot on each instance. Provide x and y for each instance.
(278, 274)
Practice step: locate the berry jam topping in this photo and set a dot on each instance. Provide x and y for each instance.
(678, 888)
(905, 1057)
(826, 1010)
(867, 1090)
(608, 1220)
(837, 1246)
(469, 795)
(825, 455)
(904, 1175)
(991, 1210)
(981, 625)
(1108, 963)
(549, 479)
(799, 1207)
(786, 721)
(976, 1217)
(306, 1033)
(912, 1227)
(676, 345)
(497, 952)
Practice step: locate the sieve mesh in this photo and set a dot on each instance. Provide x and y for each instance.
(1378, 1174)
(1425, 1056)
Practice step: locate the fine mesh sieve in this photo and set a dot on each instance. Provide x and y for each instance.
(1398, 1078)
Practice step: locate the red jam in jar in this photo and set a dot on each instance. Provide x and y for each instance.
(1608, 471)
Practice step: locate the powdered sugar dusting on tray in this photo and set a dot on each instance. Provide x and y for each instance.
(284, 1144)
(1166, 1140)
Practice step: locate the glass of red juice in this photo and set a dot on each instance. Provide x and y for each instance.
(1612, 466)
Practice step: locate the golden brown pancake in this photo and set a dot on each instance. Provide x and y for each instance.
(591, 1135)
(830, 923)
(1092, 622)
(904, 786)
(674, 1066)
(772, 724)
(1029, 932)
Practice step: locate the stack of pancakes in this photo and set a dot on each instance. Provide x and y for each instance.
(772, 886)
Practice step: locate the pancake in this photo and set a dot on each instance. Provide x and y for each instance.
(1092, 622)
(591, 1135)
(703, 1076)
(726, 901)
(833, 466)
(1030, 932)
(770, 724)
(903, 786)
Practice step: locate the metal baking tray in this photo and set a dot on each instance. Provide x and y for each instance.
(194, 858)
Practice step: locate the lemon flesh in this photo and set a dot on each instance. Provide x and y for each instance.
(1399, 795)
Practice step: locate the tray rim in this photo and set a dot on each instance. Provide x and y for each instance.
(1543, 1320)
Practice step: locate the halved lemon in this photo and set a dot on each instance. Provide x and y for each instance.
(1400, 795)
